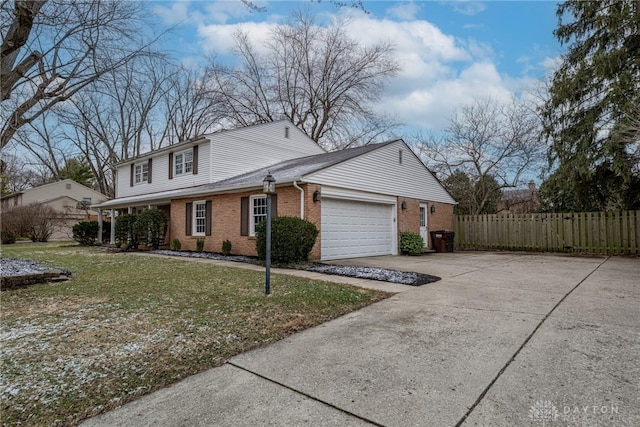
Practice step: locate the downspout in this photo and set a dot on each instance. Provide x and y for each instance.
(295, 184)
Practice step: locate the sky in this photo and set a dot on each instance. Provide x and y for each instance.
(451, 52)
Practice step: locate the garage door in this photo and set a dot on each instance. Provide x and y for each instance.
(353, 229)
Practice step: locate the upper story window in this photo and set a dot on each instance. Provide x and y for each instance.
(258, 212)
(141, 173)
(183, 162)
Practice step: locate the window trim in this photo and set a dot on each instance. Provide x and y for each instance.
(195, 217)
(252, 215)
(141, 175)
(182, 163)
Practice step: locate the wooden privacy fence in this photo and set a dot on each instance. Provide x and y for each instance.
(585, 232)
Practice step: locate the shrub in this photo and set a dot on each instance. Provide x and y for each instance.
(176, 245)
(37, 221)
(291, 239)
(200, 245)
(152, 224)
(86, 232)
(411, 243)
(127, 231)
(7, 237)
(226, 248)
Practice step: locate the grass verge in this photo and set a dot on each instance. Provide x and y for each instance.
(126, 325)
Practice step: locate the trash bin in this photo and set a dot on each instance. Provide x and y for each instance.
(442, 240)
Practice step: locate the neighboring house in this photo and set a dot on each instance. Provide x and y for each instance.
(211, 188)
(66, 197)
(520, 201)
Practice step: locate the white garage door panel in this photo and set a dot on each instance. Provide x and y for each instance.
(355, 229)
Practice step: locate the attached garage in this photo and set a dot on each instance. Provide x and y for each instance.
(352, 228)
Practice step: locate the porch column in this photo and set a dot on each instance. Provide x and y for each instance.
(99, 226)
(112, 237)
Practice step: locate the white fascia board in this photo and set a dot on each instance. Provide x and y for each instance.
(347, 194)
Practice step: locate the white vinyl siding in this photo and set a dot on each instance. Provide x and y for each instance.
(161, 181)
(261, 145)
(379, 171)
(226, 153)
(257, 212)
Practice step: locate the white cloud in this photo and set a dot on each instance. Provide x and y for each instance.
(404, 12)
(440, 73)
(218, 39)
(175, 14)
(222, 11)
(468, 7)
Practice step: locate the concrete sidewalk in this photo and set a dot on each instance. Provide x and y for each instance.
(503, 339)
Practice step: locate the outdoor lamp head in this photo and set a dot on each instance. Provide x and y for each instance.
(269, 184)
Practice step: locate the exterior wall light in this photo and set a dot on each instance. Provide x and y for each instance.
(433, 208)
(316, 196)
(403, 205)
(269, 184)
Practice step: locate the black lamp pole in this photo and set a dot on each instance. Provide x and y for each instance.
(269, 188)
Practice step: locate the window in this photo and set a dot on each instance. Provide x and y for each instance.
(183, 162)
(141, 173)
(423, 216)
(400, 156)
(199, 218)
(258, 212)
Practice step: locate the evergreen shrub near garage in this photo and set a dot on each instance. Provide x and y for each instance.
(292, 239)
(411, 243)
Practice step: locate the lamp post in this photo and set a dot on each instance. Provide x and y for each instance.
(268, 188)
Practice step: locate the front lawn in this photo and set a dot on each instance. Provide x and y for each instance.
(126, 325)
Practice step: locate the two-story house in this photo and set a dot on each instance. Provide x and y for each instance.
(211, 188)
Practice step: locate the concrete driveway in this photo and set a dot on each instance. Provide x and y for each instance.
(503, 339)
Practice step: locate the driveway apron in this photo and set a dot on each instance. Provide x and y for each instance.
(502, 339)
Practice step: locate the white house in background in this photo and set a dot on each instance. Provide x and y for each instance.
(210, 187)
(66, 197)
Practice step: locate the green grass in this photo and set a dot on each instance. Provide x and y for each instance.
(128, 324)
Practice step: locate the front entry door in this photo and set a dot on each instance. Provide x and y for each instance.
(423, 224)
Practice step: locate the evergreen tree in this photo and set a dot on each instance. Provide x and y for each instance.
(592, 111)
(78, 170)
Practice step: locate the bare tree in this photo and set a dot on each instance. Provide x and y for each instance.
(52, 49)
(16, 175)
(489, 142)
(317, 77)
(190, 110)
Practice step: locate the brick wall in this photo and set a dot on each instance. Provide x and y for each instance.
(226, 219)
(442, 218)
(409, 218)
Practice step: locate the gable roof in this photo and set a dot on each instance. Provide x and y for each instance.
(295, 169)
(54, 184)
(284, 172)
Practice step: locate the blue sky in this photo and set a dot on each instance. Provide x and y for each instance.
(450, 52)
